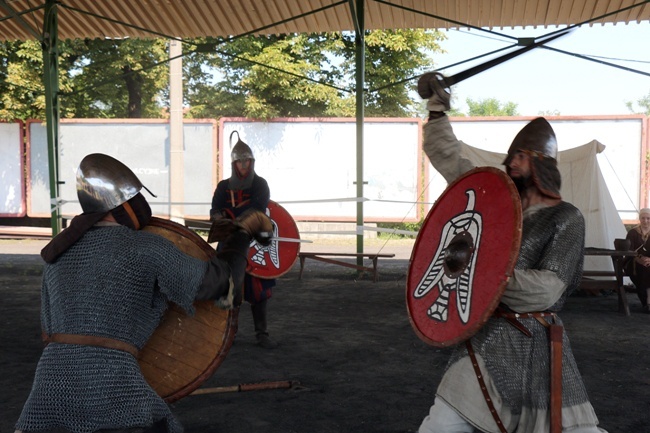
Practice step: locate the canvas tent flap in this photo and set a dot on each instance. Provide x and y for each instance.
(584, 186)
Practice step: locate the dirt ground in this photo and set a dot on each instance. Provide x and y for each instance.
(349, 344)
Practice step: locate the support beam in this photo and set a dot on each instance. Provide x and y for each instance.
(360, 60)
(50, 46)
(177, 148)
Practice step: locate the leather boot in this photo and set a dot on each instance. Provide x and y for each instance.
(259, 319)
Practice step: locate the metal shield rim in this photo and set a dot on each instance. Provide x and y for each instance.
(231, 315)
(516, 242)
(295, 227)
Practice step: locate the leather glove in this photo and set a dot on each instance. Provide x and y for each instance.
(257, 224)
(222, 284)
(221, 228)
(432, 86)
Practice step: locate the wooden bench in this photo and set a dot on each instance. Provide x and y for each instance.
(615, 281)
(325, 257)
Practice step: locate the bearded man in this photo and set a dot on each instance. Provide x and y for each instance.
(512, 348)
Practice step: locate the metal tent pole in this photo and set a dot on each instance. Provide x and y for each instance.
(51, 81)
(177, 147)
(360, 57)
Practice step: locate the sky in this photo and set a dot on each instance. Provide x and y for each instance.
(545, 82)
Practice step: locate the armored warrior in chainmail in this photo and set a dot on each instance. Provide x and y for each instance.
(106, 285)
(243, 192)
(511, 351)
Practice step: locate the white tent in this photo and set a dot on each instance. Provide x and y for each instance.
(584, 186)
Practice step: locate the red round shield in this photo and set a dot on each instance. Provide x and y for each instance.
(463, 257)
(277, 258)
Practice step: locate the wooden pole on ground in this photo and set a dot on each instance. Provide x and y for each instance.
(260, 386)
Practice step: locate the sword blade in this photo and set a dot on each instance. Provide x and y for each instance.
(457, 78)
(302, 241)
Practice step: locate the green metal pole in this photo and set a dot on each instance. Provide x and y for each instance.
(51, 79)
(360, 58)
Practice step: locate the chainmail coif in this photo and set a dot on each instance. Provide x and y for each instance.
(114, 282)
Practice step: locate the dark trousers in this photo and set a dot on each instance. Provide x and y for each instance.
(259, 317)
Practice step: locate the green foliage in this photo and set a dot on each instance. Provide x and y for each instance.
(97, 78)
(454, 112)
(412, 227)
(320, 78)
(392, 56)
(295, 75)
(491, 107)
(22, 94)
(119, 78)
(643, 105)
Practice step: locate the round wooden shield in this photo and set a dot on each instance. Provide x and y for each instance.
(277, 258)
(185, 351)
(463, 256)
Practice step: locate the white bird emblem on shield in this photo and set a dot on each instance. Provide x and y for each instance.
(453, 265)
(271, 249)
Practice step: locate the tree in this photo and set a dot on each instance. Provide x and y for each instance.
(119, 78)
(22, 93)
(643, 103)
(254, 76)
(393, 56)
(491, 107)
(97, 78)
(311, 75)
(251, 79)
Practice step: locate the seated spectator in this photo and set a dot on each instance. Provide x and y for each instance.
(638, 269)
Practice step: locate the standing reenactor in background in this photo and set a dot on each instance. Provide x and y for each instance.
(233, 198)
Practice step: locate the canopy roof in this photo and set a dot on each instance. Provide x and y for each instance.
(22, 19)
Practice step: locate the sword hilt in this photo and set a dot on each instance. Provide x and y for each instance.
(434, 83)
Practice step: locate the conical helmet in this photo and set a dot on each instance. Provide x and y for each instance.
(104, 183)
(241, 150)
(538, 137)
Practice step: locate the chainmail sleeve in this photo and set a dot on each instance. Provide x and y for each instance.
(179, 276)
(115, 283)
(553, 240)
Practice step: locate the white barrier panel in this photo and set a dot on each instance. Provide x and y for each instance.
(12, 191)
(310, 165)
(140, 144)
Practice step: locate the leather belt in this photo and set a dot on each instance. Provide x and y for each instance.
(481, 383)
(513, 319)
(91, 340)
(535, 314)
